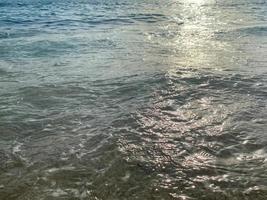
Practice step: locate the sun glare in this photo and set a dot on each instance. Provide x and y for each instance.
(196, 1)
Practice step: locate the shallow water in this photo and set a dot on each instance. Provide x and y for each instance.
(123, 99)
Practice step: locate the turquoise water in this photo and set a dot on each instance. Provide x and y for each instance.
(120, 99)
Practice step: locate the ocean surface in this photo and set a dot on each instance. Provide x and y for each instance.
(133, 99)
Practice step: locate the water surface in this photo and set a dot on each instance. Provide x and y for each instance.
(120, 99)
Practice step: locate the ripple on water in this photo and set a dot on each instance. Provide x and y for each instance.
(133, 100)
(187, 138)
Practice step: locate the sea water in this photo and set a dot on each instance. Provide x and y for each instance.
(124, 99)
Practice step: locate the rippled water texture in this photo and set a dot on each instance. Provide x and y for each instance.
(120, 99)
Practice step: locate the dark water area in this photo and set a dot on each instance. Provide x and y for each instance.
(120, 99)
